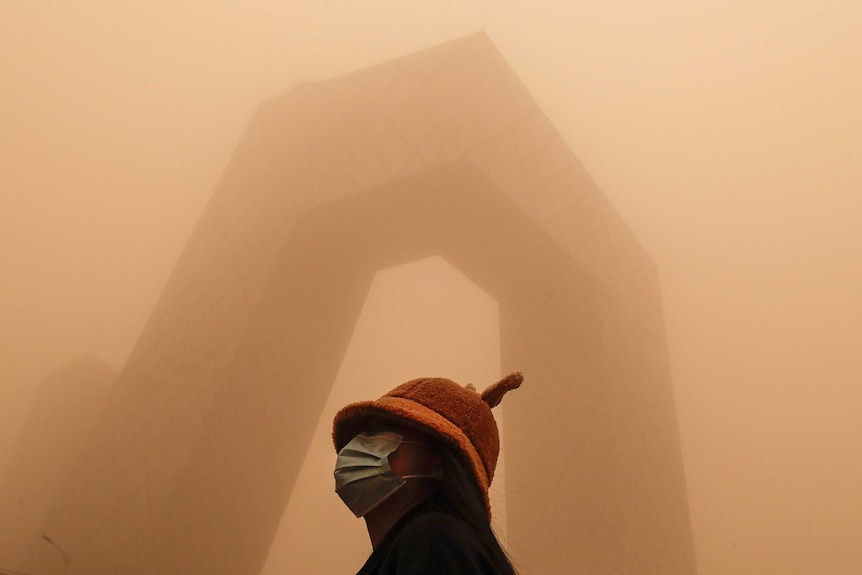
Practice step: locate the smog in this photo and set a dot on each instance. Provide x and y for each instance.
(221, 223)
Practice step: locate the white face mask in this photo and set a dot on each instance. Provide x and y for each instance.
(363, 479)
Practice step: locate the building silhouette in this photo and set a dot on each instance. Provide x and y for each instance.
(444, 153)
(67, 405)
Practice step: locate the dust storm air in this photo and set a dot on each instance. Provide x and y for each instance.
(221, 222)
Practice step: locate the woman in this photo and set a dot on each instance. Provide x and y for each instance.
(416, 464)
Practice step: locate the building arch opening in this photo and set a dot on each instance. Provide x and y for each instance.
(423, 318)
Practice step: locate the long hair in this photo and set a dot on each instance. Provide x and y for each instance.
(460, 496)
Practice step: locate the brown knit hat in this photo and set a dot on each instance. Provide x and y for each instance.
(442, 408)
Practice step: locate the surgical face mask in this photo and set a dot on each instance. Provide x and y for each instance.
(363, 479)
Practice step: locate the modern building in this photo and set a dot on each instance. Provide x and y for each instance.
(443, 153)
(67, 405)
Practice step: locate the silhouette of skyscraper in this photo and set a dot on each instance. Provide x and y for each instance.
(442, 152)
(67, 405)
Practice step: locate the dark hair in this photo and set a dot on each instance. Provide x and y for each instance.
(460, 496)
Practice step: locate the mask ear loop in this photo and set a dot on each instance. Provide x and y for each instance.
(436, 473)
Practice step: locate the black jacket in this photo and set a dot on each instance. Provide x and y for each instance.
(428, 541)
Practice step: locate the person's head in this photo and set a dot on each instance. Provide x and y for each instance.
(456, 417)
(429, 438)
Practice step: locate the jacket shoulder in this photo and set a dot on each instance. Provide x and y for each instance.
(437, 542)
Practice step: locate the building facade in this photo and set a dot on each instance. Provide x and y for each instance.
(442, 152)
(64, 412)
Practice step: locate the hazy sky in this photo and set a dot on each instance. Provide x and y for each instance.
(728, 135)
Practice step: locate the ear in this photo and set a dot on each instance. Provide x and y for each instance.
(493, 395)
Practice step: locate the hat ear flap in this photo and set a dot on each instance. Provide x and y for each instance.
(493, 395)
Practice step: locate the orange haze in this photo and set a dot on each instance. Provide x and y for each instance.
(727, 134)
